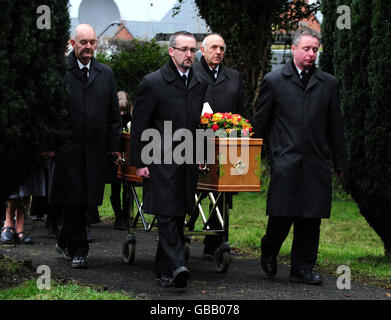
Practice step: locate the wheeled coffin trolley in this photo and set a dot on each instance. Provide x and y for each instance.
(236, 168)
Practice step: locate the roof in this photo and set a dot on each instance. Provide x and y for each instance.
(187, 19)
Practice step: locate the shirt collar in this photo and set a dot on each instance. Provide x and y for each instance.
(184, 73)
(81, 66)
(217, 70)
(300, 71)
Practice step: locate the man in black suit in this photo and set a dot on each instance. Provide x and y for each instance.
(299, 116)
(91, 128)
(168, 100)
(225, 94)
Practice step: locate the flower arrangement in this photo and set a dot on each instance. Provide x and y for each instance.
(227, 124)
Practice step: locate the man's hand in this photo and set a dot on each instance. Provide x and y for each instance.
(117, 155)
(49, 154)
(143, 172)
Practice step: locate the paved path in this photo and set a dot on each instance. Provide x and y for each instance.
(244, 279)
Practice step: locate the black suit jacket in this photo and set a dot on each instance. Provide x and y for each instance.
(91, 129)
(226, 93)
(304, 130)
(165, 105)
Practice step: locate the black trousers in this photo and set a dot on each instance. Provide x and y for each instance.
(305, 243)
(115, 199)
(170, 252)
(72, 233)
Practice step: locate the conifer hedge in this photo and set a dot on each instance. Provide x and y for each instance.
(31, 86)
(361, 62)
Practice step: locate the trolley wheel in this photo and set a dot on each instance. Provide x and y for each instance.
(187, 250)
(128, 251)
(222, 261)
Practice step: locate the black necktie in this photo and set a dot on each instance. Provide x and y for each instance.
(304, 78)
(84, 70)
(214, 72)
(184, 79)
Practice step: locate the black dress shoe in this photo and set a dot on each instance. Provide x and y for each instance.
(63, 252)
(306, 277)
(79, 262)
(164, 280)
(269, 266)
(180, 277)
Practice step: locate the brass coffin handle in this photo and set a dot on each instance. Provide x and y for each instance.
(205, 169)
(123, 160)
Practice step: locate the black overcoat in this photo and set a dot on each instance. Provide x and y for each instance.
(304, 130)
(91, 129)
(226, 93)
(162, 97)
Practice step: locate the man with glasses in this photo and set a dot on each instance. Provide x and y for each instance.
(170, 97)
(225, 94)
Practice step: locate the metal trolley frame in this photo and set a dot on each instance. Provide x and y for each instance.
(222, 255)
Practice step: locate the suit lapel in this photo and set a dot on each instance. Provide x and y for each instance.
(169, 75)
(289, 72)
(314, 80)
(94, 71)
(73, 67)
(221, 75)
(193, 80)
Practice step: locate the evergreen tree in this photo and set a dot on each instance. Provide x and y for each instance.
(328, 9)
(132, 60)
(361, 59)
(31, 86)
(376, 203)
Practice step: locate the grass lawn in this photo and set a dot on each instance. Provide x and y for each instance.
(19, 282)
(345, 238)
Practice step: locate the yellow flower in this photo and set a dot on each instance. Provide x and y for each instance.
(217, 116)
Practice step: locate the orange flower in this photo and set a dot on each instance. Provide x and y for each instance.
(204, 120)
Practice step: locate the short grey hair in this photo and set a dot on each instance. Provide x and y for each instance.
(172, 40)
(205, 41)
(304, 31)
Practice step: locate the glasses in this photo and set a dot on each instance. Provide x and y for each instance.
(185, 50)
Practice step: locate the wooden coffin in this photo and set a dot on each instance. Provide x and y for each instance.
(236, 167)
(125, 170)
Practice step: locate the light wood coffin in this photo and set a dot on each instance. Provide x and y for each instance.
(125, 170)
(237, 166)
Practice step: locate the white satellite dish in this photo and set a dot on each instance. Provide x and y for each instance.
(99, 14)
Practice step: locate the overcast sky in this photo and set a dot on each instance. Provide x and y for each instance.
(138, 10)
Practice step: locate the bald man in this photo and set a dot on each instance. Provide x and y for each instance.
(224, 94)
(91, 128)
